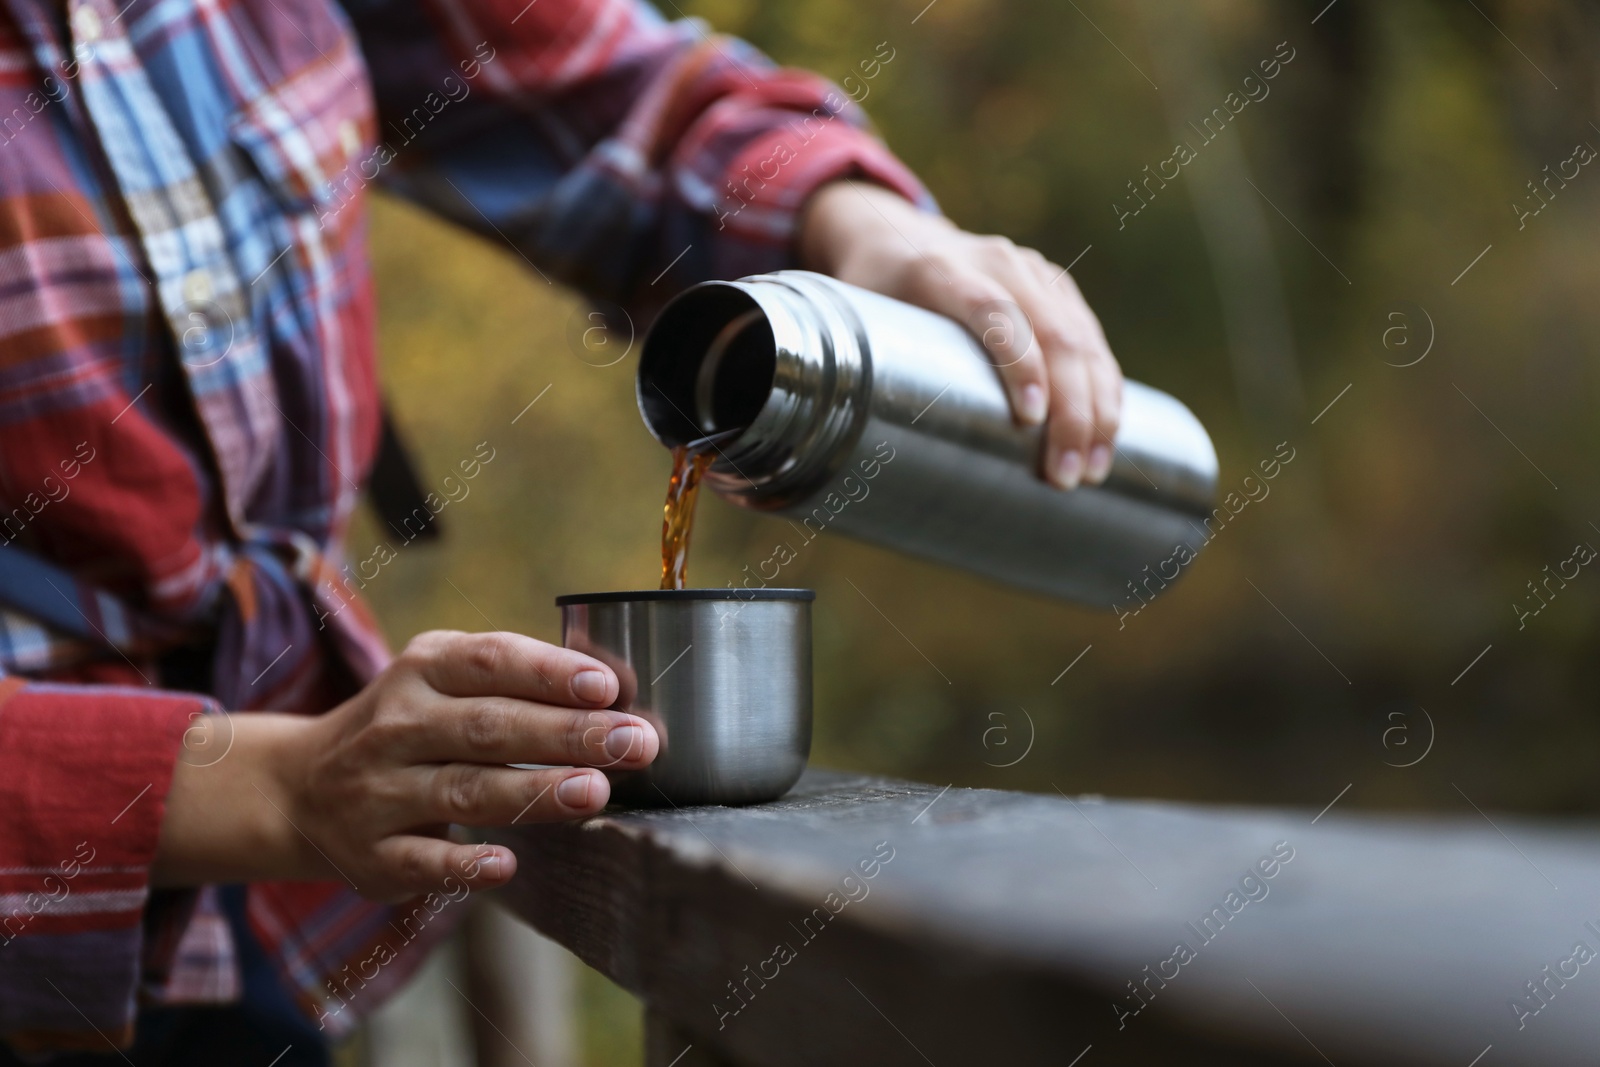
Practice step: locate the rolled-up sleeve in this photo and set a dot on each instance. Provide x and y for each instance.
(84, 776)
(620, 153)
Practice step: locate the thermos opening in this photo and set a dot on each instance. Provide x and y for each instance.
(707, 365)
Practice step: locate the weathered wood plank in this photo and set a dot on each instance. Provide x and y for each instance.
(1004, 926)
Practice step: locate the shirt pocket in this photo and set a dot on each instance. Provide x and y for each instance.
(308, 135)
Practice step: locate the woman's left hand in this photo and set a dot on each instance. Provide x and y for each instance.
(1052, 357)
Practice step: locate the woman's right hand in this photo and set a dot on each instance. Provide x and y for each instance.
(365, 793)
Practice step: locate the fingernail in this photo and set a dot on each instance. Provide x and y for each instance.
(1069, 469)
(488, 868)
(590, 686)
(1099, 463)
(1033, 405)
(574, 791)
(625, 741)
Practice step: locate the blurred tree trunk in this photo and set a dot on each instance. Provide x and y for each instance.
(1232, 218)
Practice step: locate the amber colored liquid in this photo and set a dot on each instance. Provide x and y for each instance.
(678, 516)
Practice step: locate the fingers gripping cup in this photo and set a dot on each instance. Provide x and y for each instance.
(723, 675)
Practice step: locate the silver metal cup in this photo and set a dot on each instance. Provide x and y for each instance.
(724, 675)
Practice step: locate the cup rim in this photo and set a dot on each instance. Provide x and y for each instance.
(669, 595)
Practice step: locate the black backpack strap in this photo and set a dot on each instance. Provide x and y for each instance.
(394, 488)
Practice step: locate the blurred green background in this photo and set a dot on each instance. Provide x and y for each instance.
(1299, 652)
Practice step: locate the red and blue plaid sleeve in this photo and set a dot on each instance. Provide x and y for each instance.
(617, 152)
(84, 775)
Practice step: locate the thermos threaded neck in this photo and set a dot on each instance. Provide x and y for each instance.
(775, 358)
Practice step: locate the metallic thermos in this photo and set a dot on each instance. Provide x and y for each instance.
(887, 422)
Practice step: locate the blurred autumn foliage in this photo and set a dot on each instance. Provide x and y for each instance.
(1384, 157)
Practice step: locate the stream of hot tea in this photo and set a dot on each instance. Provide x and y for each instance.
(688, 464)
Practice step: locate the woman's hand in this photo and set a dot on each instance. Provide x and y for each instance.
(365, 793)
(1053, 357)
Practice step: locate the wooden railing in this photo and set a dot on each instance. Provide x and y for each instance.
(871, 921)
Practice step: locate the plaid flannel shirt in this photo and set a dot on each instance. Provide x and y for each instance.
(188, 405)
